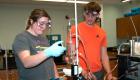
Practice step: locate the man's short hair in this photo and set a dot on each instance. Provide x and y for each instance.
(92, 7)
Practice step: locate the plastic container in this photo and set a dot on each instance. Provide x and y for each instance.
(135, 46)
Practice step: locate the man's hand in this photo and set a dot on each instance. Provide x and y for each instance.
(88, 75)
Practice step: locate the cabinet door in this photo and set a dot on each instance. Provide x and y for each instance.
(9, 75)
(136, 20)
(128, 27)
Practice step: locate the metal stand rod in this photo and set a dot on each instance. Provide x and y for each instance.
(6, 64)
(76, 27)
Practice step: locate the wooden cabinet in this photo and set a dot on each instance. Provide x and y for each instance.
(128, 27)
(9, 75)
(113, 62)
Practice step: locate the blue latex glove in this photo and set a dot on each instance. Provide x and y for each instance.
(55, 49)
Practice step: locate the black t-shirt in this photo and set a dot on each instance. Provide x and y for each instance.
(26, 41)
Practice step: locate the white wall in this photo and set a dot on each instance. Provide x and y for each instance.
(126, 7)
(13, 19)
(110, 13)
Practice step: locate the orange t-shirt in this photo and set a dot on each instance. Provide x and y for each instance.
(91, 39)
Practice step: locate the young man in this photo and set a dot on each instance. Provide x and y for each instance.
(92, 49)
(32, 52)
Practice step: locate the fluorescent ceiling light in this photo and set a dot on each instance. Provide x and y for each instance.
(67, 1)
(82, 2)
(126, 0)
(53, 0)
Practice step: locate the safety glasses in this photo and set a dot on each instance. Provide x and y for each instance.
(44, 24)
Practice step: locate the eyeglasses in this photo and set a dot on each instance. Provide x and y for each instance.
(44, 24)
(91, 14)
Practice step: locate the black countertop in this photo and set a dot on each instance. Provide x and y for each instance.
(131, 58)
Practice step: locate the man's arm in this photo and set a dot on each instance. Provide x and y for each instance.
(105, 59)
(106, 63)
